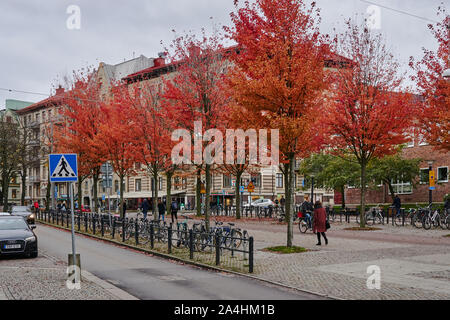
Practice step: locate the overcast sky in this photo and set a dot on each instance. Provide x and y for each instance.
(37, 48)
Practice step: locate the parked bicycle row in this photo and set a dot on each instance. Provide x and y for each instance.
(193, 235)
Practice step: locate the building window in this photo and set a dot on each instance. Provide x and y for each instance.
(160, 183)
(401, 187)
(424, 176)
(279, 180)
(422, 141)
(256, 180)
(176, 183)
(442, 174)
(184, 183)
(226, 181)
(138, 166)
(116, 186)
(14, 193)
(137, 184)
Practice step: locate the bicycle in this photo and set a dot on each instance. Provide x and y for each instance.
(306, 221)
(431, 219)
(182, 232)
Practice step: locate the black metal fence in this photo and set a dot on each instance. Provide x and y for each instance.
(219, 246)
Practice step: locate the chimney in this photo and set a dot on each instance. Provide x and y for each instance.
(59, 90)
(160, 61)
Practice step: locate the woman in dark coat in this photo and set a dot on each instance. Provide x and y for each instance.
(319, 222)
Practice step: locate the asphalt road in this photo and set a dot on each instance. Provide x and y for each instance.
(155, 278)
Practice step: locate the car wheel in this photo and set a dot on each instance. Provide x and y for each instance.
(34, 254)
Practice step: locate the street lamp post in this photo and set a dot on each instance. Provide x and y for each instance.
(312, 188)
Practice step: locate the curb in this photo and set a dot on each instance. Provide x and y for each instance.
(201, 265)
(115, 291)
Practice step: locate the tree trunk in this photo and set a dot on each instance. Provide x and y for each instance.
(343, 196)
(289, 201)
(286, 189)
(48, 194)
(198, 195)
(24, 186)
(391, 190)
(362, 222)
(122, 187)
(80, 195)
(208, 194)
(95, 178)
(155, 199)
(238, 195)
(169, 176)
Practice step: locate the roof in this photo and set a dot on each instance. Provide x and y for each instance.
(15, 105)
(121, 70)
(53, 100)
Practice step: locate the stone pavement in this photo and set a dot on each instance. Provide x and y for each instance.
(414, 263)
(44, 277)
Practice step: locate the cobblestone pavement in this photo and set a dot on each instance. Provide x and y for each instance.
(414, 263)
(44, 278)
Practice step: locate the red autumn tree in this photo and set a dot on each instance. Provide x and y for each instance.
(434, 117)
(367, 114)
(279, 75)
(79, 130)
(117, 134)
(195, 93)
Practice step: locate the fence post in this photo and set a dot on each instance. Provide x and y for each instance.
(136, 232)
(191, 244)
(102, 222)
(113, 228)
(57, 219)
(152, 236)
(67, 222)
(217, 249)
(387, 218)
(169, 238)
(250, 255)
(93, 223)
(79, 222)
(403, 217)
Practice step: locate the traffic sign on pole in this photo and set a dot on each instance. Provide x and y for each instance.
(63, 167)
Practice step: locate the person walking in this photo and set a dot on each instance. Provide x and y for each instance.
(397, 204)
(161, 209)
(282, 201)
(145, 207)
(36, 207)
(174, 210)
(319, 222)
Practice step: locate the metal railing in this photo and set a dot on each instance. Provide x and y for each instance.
(213, 247)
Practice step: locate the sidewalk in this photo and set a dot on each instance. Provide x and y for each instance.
(44, 278)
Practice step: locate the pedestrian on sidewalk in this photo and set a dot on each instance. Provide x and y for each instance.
(174, 210)
(124, 207)
(36, 207)
(145, 207)
(319, 222)
(161, 209)
(397, 204)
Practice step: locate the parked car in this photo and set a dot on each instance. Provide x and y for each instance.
(24, 212)
(17, 237)
(264, 203)
(5, 214)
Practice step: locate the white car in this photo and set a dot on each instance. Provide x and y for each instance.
(264, 203)
(5, 214)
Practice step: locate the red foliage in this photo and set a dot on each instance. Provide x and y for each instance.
(434, 118)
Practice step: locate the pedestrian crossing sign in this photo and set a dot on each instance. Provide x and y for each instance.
(63, 167)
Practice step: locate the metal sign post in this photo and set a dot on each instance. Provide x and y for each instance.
(64, 168)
